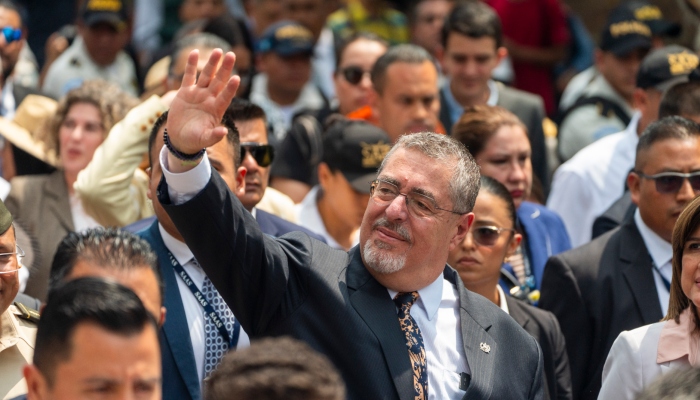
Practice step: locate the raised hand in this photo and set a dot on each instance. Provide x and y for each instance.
(195, 114)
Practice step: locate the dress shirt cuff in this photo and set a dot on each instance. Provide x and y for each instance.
(184, 186)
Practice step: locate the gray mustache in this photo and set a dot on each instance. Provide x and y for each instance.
(398, 228)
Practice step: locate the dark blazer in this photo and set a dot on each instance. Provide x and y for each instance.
(180, 377)
(597, 291)
(529, 108)
(300, 287)
(543, 326)
(621, 210)
(545, 235)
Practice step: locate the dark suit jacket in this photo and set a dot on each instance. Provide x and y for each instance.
(543, 326)
(529, 108)
(180, 378)
(301, 287)
(597, 291)
(621, 210)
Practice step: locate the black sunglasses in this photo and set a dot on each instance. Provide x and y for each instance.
(263, 154)
(671, 182)
(353, 74)
(488, 235)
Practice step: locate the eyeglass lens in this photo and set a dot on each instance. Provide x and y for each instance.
(353, 74)
(485, 235)
(263, 153)
(671, 183)
(11, 34)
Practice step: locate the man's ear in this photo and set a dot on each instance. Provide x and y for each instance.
(633, 183)
(37, 387)
(464, 222)
(240, 180)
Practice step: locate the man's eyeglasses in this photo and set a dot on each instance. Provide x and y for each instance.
(419, 205)
(263, 154)
(11, 34)
(487, 235)
(353, 74)
(10, 262)
(671, 182)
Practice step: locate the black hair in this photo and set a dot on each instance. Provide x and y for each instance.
(244, 110)
(105, 303)
(233, 137)
(18, 8)
(354, 38)
(673, 127)
(475, 20)
(403, 53)
(108, 248)
(199, 41)
(497, 189)
(681, 99)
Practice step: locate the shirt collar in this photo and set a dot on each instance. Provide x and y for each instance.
(8, 106)
(178, 249)
(660, 250)
(429, 297)
(502, 299)
(677, 340)
(456, 110)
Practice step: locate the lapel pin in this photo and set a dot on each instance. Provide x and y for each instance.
(485, 347)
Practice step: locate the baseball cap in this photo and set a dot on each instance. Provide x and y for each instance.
(355, 148)
(113, 12)
(665, 67)
(624, 33)
(653, 17)
(286, 38)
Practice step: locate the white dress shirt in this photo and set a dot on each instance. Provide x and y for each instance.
(436, 310)
(585, 186)
(661, 253)
(193, 310)
(502, 299)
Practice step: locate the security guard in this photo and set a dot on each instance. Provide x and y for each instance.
(18, 323)
(605, 106)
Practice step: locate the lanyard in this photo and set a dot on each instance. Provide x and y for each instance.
(208, 309)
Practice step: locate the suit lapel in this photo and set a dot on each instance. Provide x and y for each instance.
(59, 205)
(475, 333)
(371, 300)
(637, 270)
(175, 329)
(516, 312)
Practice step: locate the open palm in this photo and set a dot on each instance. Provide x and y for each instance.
(194, 119)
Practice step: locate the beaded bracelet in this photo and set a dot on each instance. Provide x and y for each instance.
(180, 156)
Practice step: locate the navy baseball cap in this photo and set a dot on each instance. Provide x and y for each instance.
(624, 34)
(665, 67)
(653, 17)
(286, 38)
(112, 12)
(356, 148)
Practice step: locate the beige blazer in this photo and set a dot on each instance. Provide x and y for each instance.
(41, 204)
(17, 337)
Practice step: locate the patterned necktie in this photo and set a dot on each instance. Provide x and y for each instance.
(215, 346)
(414, 342)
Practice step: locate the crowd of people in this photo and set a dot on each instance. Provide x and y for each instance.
(362, 199)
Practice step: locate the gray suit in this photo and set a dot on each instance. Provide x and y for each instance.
(300, 287)
(529, 108)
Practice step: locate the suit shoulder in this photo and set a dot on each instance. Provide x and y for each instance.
(283, 226)
(587, 257)
(521, 97)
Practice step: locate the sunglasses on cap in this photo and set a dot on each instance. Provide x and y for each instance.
(262, 153)
(487, 235)
(353, 74)
(671, 182)
(11, 34)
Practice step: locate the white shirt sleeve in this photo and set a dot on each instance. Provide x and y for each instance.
(184, 186)
(571, 198)
(622, 373)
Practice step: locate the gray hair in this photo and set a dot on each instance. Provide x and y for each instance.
(403, 53)
(464, 182)
(198, 41)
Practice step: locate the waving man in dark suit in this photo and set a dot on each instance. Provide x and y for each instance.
(396, 321)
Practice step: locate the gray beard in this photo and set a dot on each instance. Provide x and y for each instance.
(381, 262)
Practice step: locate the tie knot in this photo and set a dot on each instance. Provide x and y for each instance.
(405, 299)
